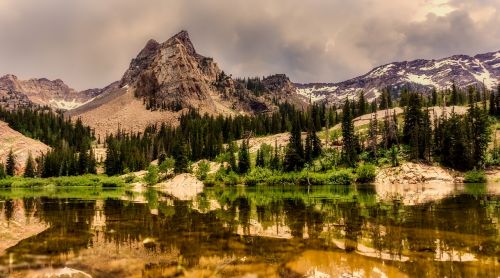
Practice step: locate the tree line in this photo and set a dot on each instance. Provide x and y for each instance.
(71, 142)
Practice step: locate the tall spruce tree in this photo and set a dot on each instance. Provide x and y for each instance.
(244, 158)
(29, 170)
(181, 156)
(349, 140)
(294, 156)
(10, 166)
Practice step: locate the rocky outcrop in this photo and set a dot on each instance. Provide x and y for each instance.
(173, 76)
(182, 187)
(42, 91)
(414, 173)
(166, 79)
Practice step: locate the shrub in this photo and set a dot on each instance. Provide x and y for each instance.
(475, 176)
(342, 177)
(130, 177)
(257, 176)
(232, 179)
(151, 177)
(366, 173)
(202, 171)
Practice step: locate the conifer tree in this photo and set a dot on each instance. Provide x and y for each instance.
(10, 166)
(232, 149)
(372, 136)
(259, 160)
(362, 105)
(244, 158)
(180, 155)
(349, 140)
(29, 170)
(493, 107)
(294, 156)
(275, 162)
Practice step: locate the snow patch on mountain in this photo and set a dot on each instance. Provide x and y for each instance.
(421, 79)
(421, 75)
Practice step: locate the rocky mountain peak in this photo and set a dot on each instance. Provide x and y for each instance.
(183, 38)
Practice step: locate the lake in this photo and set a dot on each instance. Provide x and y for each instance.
(327, 231)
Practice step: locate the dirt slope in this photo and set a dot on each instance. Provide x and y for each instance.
(20, 145)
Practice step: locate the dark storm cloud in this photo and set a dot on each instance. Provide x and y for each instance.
(89, 43)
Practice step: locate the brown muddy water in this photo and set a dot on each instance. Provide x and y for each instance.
(327, 231)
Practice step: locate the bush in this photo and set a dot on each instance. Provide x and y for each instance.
(202, 171)
(366, 173)
(475, 176)
(151, 177)
(342, 177)
(257, 176)
(232, 179)
(130, 177)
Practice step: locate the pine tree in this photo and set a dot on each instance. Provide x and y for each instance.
(244, 158)
(493, 107)
(181, 154)
(349, 146)
(29, 171)
(362, 105)
(10, 167)
(294, 156)
(372, 136)
(275, 162)
(232, 149)
(259, 160)
(434, 98)
(454, 100)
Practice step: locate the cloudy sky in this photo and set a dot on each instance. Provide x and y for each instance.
(89, 43)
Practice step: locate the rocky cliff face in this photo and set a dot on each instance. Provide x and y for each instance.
(172, 76)
(422, 75)
(42, 91)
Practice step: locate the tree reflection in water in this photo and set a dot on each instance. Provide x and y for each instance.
(272, 226)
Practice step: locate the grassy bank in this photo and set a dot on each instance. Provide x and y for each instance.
(260, 176)
(81, 181)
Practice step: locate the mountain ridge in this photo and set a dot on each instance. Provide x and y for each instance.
(420, 74)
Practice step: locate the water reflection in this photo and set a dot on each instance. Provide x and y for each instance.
(266, 231)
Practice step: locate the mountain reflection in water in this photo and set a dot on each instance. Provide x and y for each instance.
(262, 231)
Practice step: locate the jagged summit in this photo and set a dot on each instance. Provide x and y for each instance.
(166, 79)
(183, 38)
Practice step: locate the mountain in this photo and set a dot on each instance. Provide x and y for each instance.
(42, 91)
(418, 74)
(166, 79)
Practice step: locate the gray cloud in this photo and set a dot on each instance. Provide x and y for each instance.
(89, 43)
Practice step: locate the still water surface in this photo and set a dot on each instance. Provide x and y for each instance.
(327, 231)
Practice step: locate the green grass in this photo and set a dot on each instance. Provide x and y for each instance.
(475, 176)
(81, 181)
(268, 177)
